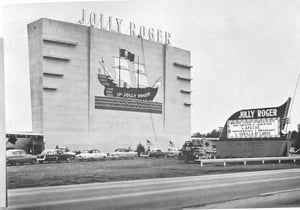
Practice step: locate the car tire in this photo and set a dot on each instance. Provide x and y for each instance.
(33, 162)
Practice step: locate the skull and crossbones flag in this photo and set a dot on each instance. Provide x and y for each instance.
(127, 55)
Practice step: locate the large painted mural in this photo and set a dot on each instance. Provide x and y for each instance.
(126, 85)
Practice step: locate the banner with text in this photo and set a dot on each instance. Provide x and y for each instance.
(256, 128)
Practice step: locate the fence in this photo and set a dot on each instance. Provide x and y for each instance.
(245, 160)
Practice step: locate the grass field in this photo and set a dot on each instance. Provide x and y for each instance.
(76, 172)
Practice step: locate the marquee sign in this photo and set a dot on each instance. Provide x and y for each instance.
(254, 128)
(116, 24)
(256, 123)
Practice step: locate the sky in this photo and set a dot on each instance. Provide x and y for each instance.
(244, 53)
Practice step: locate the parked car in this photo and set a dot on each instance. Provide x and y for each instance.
(54, 155)
(192, 151)
(157, 153)
(65, 150)
(14, 156)
(144, 154)
(173, 152)
(294, 152)
(122, 153)
(93, 154)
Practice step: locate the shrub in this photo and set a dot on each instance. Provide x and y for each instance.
(140, 148)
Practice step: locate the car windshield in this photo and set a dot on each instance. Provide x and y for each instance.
(198, 149)
(119, 150)
(50, 152)
(18, 152)
(156, 150)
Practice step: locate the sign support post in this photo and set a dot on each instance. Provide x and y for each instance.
(3, 189)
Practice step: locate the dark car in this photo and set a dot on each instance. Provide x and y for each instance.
(54, 155)
(192, 151)
(157, 153)
(14, 156)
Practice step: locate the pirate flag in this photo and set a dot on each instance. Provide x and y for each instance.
(127, 55)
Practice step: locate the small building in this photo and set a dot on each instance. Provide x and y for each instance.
(32, 143)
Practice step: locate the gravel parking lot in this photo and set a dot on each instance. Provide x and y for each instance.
(49, 174)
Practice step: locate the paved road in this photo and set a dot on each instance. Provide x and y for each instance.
(165, 193)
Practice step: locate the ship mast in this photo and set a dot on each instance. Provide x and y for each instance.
(138, 73)
(119, 68)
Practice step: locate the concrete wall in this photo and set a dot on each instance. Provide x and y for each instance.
(64, 65)
(177, 114)
(253, 148)
(2, 132)
(36, 75)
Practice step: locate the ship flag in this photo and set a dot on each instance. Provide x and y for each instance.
(148, 142)
(127, 55)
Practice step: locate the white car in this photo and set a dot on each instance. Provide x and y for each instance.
(93, 154)
(14, 156)
(173, 152)
(122, 154)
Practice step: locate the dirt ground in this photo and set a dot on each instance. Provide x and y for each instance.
(77, 172)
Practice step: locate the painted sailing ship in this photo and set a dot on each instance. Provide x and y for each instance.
(127, 83)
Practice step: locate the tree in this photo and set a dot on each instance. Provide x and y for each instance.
(213, 134)
(140, 148)
(12, 140)
(198, 134)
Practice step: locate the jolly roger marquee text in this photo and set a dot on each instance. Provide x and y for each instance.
(117, 25)
(260, 113)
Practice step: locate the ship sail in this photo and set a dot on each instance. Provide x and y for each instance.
(128, 79)
(121, 66)
(142, 80)
(140, 76)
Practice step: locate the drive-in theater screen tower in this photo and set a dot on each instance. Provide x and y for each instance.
(94, 86)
